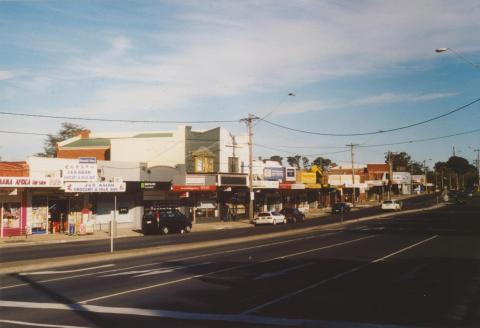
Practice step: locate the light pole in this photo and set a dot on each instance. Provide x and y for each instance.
(439, 50)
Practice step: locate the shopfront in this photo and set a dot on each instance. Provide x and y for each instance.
(13, 213)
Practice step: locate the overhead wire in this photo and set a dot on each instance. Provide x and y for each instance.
(373, 132)
(73, 118)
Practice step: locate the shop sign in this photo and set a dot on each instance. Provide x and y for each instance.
(28, 182)
(95, 187)
(273, 173)
(401, 177)
(195, 180)
(292, 186)
(80, 172)
(87, 160)
(418, 178)
(374, 183)
(180, 188)
(308, 177)
(290, 174)
(313, 186)
(232, 180)
(266, 184)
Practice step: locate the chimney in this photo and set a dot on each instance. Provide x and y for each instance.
(84, 134)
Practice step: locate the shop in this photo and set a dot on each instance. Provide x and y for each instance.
(13, 212)
(267, 196)
(233, 196)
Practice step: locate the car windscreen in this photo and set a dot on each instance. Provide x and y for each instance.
(264, 214)
(388, 202)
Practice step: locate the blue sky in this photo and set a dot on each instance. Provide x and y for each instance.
(354, 66)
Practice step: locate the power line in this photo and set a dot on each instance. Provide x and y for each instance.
(116, 120)
(420, 140)
(373, 132)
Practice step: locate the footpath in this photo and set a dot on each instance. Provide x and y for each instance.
(57, 238)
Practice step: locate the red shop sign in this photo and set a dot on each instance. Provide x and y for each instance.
(178, 188)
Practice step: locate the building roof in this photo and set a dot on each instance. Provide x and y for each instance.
(378, 167)
(14, 169)
(154, 135)
(88, 143)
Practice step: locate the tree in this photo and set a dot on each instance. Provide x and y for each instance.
(68, 130)
(323, 163)
(294, 161)
(400, 161)
(305, 162)
(459, 166)
(277, 158)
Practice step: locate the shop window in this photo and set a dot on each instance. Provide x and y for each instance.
(233, 164)
(204, 164)
(11, 215)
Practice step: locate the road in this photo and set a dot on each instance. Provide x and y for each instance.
(100, 246)
(418, 269)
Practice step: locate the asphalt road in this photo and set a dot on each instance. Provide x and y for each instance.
(100, 246)
(412, 270)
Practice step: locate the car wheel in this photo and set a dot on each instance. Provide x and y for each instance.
(187, 229)
(165, 230)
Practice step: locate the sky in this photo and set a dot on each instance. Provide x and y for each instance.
(350, 67)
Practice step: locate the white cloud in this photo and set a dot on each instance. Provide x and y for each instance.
(372, 100)
(6, 75)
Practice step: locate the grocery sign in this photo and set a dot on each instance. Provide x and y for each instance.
(80, 172)
(95, 187)
(18, 182)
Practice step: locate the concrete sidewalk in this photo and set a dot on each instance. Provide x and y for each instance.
(16, 241)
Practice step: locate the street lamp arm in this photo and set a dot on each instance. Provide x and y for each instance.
(477, 66)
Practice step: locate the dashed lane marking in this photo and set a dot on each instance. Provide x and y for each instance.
(35, 324)
(337, 276)
(64, 271)
(166, 283)
(236, 318)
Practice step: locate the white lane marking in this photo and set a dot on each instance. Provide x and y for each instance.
(340, 275)
(182, 258)
(282, 272)
(219, 271)
(65, 271)
(234, 318)
(34, 324)
(80, 275)
(149, 272)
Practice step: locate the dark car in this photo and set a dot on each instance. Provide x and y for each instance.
(293, 215)
(165, 220)
(340, 208)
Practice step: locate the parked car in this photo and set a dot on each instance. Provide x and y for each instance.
(341, 207)
(391, 205)
(293, 215)
(269, 218)
(165, 220)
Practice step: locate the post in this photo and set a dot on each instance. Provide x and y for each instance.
(250, 166)
(1, 220)
(425, 170)
(478, 168)
(112, 222)
(353, 172)
(390, 176)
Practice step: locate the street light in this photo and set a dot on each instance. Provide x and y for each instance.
(439, 50)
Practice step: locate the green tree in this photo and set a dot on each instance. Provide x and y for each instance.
(305, 162)
(323, 163)
(277, 158)
(459, 166)
(68, 130)
(400, 161)
(294, 161)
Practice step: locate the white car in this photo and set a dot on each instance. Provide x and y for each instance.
(269, 218)
(392, 205)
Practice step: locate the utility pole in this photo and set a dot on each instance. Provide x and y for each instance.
(353, 172)
(390, 175)
(249, 122)
(478, 167)
(425, 169)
